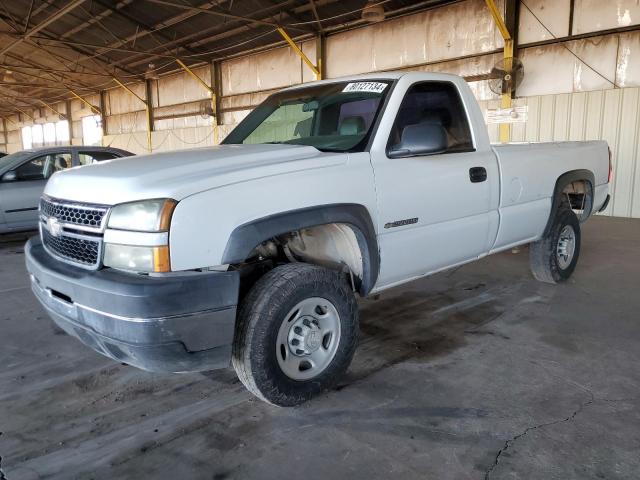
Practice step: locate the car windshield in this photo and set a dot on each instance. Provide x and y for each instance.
(331, 116)
(12, 157)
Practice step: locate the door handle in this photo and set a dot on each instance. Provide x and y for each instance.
(477, 174)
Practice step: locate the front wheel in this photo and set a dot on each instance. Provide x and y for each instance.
(553, 258)
(296, 334)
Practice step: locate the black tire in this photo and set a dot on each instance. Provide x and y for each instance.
(543, 256)
(261, 314)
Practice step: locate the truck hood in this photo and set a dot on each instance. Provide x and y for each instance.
(179, 174)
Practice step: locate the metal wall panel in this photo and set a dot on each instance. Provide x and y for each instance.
(602, 62)
(462, 29)
(554, 14)
(118, 100)
(180, 88)
(278, 68)
(595, 15)
(628, 63)
(466, 67)
(168, 140)
(126, 123)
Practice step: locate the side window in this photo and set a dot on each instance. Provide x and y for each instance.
(87, 158)
(434, 103)
(41, 168)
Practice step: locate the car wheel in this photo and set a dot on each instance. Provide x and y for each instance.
(296, 333)
(553, 258)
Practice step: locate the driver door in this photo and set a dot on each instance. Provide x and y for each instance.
(434, 209)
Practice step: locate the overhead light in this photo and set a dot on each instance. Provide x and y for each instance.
(373, 11)
(8, 76)
(150, 73)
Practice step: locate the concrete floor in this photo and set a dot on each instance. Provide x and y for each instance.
(479, 372)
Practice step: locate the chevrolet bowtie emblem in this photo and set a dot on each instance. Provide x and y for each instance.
(54, 226)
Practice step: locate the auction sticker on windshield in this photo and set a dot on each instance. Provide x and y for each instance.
(373, 87)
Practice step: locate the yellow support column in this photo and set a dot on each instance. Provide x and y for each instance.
(505, 101)
(52, 109)
(93, 108)
(25, 113)
(300, 53)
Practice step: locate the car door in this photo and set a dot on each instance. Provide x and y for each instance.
(20, 198)
(434, 209)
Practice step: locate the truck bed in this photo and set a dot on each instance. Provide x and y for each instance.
(525, 187)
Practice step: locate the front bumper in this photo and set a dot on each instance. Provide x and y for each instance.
(174, 323)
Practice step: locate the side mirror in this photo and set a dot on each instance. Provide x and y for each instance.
(10, 176)
(420, 139)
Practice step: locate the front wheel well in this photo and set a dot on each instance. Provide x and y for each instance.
(283, 237)
(336, 246)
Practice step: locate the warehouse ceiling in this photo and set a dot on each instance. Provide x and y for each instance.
(50, 47)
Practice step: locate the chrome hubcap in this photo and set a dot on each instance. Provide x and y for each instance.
(308, 338)
(566, 246)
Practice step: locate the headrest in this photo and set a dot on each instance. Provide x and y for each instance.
(436, 115)
(61, 162)
(352, 126)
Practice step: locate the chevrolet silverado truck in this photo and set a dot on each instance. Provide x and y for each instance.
(253, 252)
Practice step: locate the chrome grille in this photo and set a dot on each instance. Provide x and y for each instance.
(73, 232)
(76, 214)
(80, 250)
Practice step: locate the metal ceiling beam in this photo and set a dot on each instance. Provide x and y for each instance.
(218, 14)
(136, 21)
(160, 25)
(31, 85)
(42, 25)
(95, 19)
(106, 63)
(49, 70)
(133, 61)
(55, 41)
(57, 77)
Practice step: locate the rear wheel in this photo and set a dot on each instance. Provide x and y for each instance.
(553, 258)
(296, 334)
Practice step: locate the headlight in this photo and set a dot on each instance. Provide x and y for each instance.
(145, 216)
(137, 259)
(137, 237)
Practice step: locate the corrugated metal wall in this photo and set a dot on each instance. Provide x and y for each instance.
(611, 115)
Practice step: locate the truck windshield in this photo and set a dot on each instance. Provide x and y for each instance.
(331, 116)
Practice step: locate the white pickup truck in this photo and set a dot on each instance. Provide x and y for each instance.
(253, 252)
